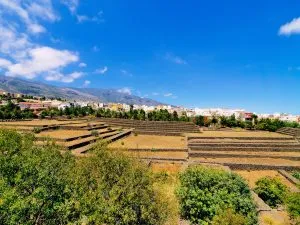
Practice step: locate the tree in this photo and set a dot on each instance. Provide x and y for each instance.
(199, 120)
(40, 185)
(204, 192)
(271, 190)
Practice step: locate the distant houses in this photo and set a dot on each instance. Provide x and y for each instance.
(39, 103)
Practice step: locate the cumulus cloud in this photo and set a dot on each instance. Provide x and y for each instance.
(41, 59)
(65, 78)
(101, 70)
(292, 27)
(125, 90)
(175, 59)
(22, 57)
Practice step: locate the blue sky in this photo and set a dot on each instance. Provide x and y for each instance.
(233, 54)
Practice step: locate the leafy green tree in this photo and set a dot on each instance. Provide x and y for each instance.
(204, 192)
(33, 183)
(40, 185)
(199, 120)
(271, 190)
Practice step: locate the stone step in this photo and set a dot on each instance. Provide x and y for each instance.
(295, 156)
(248, 144)
(108, 137)
(250, 163)
(252, 149)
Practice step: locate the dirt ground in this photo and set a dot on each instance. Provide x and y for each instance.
(253, 176)
(237, 134)
(38, 122)
(150, 141)
(254, 161)
(153, 154)
(62, 134)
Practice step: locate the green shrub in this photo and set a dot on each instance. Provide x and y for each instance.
(36, 130)
(95, 133)
(228, 217)
(39, 185)
(204, 192)
(296, 175)
(271, 190)
(293, 205)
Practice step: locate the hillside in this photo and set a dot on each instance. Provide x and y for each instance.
(16, 85)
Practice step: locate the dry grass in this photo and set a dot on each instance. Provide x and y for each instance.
(254, 161)
(153, 154)
(230, 140)
(237, 134)
(17, 128)
(171, 168)
(252, 176)
(274, 218)
(150, 141)
(38, 122)
(166, 185)
(240, 153)
(63, 134)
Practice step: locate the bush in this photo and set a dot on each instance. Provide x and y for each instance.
(296, 175)
(293, 205)
(36, 130)
(39, 185)
(228, 217)
(271, 190)
(95, 133)
(204, 192)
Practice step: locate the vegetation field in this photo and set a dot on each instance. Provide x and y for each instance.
(150, 141)
(237, 134)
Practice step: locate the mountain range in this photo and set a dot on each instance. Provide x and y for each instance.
(16, 85)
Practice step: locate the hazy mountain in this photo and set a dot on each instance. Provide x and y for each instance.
(16, 85)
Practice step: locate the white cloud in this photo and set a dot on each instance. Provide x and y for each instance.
(290, 28)
(84, 18)
(21, 57)
(125, 90)
(168, 94)
(57, 76)
(13, 43)
(43, 9)
(125, 72)
(71, 4)
(155, 93)
(40, 60)
(30, 12)
(175, 59)
(101, 70)
(81, 65)
(4, 63)
(86, 83)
